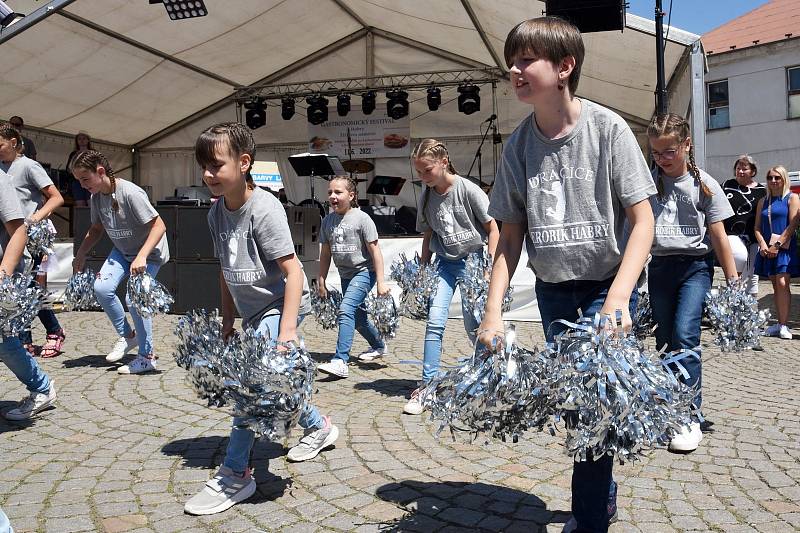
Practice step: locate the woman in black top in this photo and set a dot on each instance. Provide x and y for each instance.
(80, 195)
(743, 193)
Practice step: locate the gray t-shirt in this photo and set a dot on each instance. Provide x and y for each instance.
(29, 178)
(571, 192)
(10, 209)
(348, 237)
(127, 226)
(248, 243)
(456, 217)
(683, 212)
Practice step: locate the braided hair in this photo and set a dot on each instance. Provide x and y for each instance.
(670, 124)
(350, 185)
(435, 150)
(90, 160)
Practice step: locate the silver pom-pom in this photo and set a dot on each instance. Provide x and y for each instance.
(477, 271)
(41, 237)
(735, 318)
(326, 310)
(382, 312)
(418, 282)
(79, 294)
(614, 396)
(502, 394)
(268, 385)
(148, 296)
(643, 323)
(200, 336)
(19, 303)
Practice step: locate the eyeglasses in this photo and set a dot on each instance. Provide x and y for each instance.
(774, 178)
(667, 155)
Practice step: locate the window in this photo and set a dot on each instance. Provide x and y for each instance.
(793, 81)
(718, 113)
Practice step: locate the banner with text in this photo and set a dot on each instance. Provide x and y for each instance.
(374, 135)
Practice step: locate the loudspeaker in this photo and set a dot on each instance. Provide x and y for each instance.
(590, 15)
(406, 218)
(192, 236)
(198, 286)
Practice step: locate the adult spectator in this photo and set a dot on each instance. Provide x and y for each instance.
(28, 148)
(744, 192)
(80, 196)
(777, 217)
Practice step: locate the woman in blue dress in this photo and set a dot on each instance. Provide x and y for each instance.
(776, 221)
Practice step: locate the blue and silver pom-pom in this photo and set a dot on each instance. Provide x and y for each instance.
(735, 319)
(79, 294)
(326, 310)
(418, 283)
(477, 272)
(147, 296)
(382, 312)
(20, 301)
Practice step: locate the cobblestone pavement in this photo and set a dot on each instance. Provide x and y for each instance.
(123, 453)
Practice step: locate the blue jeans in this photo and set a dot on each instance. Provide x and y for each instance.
(113, 271)
(46, 316)
(22, 365)
(591, 479)
(450, 274)
(240, 444)
(352, 316)
(5, 525)
(678, 286)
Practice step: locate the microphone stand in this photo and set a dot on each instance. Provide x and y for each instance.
(478, 155)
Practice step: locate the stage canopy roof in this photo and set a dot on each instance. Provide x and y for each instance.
(127, 73)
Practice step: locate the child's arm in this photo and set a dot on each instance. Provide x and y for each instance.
(494, 235)
(507, 253)
(324, 267)
(377, 261)
(722, 248)
(16, 245)
(54, 200)
(157, 230)
(92, 237)
(640, 218)
(293, 273)
(228, 308)
(426, 254)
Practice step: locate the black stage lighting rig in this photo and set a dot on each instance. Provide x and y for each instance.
(434, 98)
(256, 115)
(469, 101)
(368, 102)
(317, 109)
(183, 9)
(343, 104)
(287, 107)
(396, 104)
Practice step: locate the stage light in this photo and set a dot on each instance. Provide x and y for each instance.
(343, 104)
(183, 9)
(396, 104)
(317, 109)
(469, 101)
(287, 107)
(7, 15)
(256, 115)
(434, 98)
(368, 102)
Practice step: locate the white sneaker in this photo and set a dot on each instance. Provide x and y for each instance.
(371, 354)
(688, 439)
(221, 492)
(313, 442)
(414, 405)
(773, 330)
(140, 365)
(35, 403)
(123, 346)
(337, 367)
(785, 333)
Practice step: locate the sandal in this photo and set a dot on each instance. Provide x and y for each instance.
(52, 348)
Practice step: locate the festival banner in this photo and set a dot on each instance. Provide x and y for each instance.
(371, 136)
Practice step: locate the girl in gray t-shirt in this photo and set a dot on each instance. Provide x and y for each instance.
(689, 208)
(455, 222)
(122, 210)
(350, 237)
(39, 198)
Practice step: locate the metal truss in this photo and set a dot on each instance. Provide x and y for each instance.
(333, 87)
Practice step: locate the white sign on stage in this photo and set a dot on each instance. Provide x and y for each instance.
(373, 135)
(266, 174)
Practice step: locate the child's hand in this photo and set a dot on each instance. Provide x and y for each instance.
(138, 266)
(285, 338)
(490, 333)
(322, 290)
(382, 289)
(78, 263)
(610, 308)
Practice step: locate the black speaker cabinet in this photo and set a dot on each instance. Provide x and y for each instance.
(81, 220)
(406, 218)
(169, 214)
(192, 234)
(198, 285)
(590, 15)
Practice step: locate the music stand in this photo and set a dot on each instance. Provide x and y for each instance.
(386, 185)
(316, 166)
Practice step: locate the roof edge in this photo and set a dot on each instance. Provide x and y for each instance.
(676, 35)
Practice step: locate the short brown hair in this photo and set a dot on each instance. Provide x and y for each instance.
(230, 136)
(550, 38)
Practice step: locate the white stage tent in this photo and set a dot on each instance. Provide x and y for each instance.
(146, 85)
